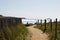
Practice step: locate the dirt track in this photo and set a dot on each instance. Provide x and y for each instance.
(37, 34)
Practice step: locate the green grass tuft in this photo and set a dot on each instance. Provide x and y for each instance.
(18, 32)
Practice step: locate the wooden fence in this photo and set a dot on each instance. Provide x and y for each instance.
(9, 21)
(52, 27)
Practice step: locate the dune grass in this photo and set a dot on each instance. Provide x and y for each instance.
(48, 30)
(18, 32)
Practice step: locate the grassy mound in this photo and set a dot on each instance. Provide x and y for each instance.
(18, 32)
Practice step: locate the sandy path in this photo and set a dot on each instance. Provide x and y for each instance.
(37, 34)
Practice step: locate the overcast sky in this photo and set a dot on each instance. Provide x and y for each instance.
(40, 9)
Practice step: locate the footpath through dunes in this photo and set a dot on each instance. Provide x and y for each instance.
(37, 34)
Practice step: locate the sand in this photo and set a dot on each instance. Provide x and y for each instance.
(37, 34)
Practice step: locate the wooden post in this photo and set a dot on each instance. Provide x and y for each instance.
(41, 23)
(51, 24)
(0, 23)
(16, 20)
(45, 25)
(37, 21)
(56, 30)
(20, 19)
(11, 21)
(7, 22)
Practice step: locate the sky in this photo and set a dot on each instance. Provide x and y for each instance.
(39, 9)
